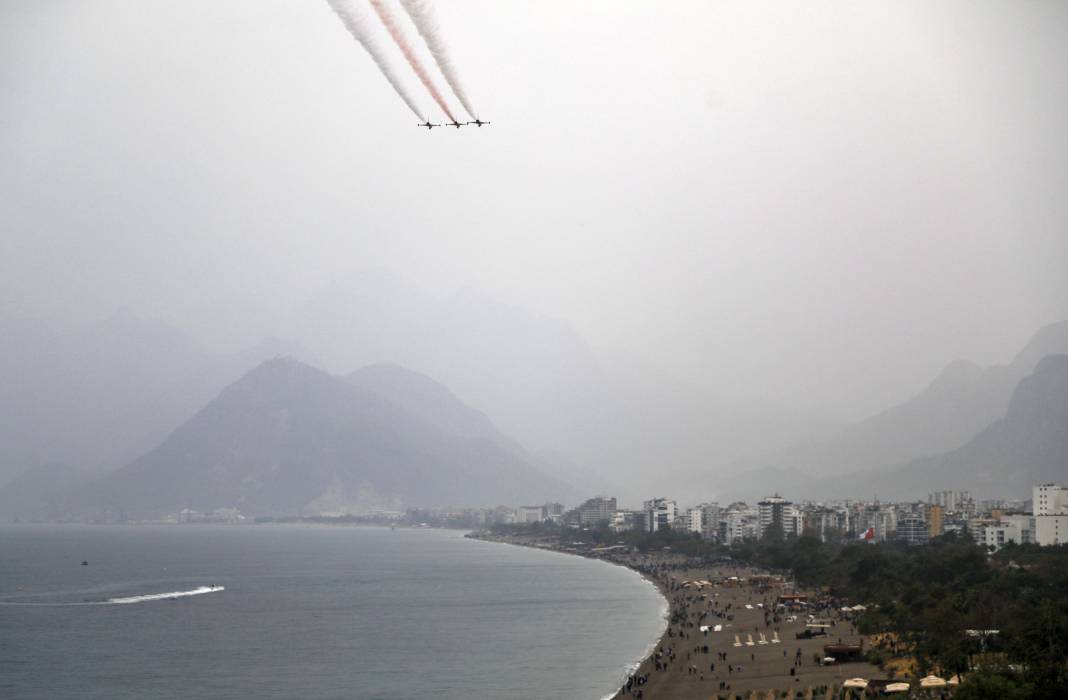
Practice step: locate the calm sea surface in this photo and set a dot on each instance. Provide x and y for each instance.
(309, 613)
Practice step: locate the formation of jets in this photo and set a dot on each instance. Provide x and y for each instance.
(478, 122)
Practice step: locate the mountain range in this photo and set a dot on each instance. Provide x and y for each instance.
(961, 401)
(1026, 445)
(287, 438)
(101, 396)
(98, 397)
(619, 418)
(108, 396)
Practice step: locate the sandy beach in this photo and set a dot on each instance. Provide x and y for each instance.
(690, 662)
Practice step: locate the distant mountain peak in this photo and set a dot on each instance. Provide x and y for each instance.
(956, 406)
(1048, 340)
(287, 437)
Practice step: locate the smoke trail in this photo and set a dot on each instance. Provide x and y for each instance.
(354, 20)
(425, 19)
(406, 48)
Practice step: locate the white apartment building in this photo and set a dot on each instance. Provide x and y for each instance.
(1011, 528)
(740, 525)
(777, 510)
(597, 510)
(1050, 505)
(1051, 529)
(659, 513)
(1049, 499)
(694, 520)
(710, 514)
(951, 501)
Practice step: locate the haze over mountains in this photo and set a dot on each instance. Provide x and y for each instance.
(1029, 445)
(96, 398)
(288, 438)
(526, 388)
(992, 430)
(542, 383)
(963, 400)
(598, 415)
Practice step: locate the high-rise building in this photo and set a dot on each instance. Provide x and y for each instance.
(596, 511)
(933, 514)
(710, 515)
(1049, 499)
(554, 512)
(952, 501)
(659, 513)
(912, 530)
(695, 520)
(777, 511)
(1051, 529)
(1050, 505)
(740, 523)
(826, 523)
(530, 514)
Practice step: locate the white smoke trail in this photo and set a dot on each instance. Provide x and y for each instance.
(425, 19)
(355, 20)
(390, 23)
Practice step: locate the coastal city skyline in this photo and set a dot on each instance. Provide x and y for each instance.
(992, 523)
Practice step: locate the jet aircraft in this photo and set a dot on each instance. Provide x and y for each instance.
(454, 123)
(428, 125)
(478, 122)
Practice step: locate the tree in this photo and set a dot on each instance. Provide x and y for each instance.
(992, 685)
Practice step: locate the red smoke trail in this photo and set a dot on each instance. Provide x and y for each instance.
(425, 20)
(398, 36)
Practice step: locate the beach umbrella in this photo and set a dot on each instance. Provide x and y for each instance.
(896, 688)
(855, 683)
(932, 682)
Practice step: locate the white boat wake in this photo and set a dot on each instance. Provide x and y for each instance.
(127, 600)
(164, 596)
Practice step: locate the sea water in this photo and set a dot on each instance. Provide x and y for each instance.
(310, 612)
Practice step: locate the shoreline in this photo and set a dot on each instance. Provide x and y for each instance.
(632, 667)
(687, 662)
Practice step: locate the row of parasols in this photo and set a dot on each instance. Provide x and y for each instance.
(902, 687)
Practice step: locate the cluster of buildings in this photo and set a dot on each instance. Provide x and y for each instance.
(219, 515)
(485, 517)
(1043, 521)
(1047, 524)
(737, 521)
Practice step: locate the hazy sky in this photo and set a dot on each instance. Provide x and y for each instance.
(817, 203)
